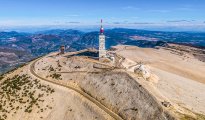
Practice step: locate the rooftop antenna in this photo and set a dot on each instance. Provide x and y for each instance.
(101, 29)
(101, 23)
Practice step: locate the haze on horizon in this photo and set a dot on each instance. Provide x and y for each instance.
(160, 14)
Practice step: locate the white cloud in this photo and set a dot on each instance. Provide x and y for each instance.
(142, 23)
(73, 15)
(185, 8)
(159, 11)
(130, 8)
(135, 17)
(180, 21)
(73, 22)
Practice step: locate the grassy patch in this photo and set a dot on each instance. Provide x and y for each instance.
(51, 69)
(56, 76)
(1, 77)
(19, 92)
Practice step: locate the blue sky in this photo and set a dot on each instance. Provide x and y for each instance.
(135, 13)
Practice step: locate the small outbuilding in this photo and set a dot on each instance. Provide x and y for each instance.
(62, 49)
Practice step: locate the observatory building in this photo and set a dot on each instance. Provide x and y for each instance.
(102, 50)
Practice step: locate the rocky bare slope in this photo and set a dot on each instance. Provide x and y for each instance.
(180, 75)
(76, 86)
(26, 97)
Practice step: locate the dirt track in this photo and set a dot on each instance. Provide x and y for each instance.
(111, 113)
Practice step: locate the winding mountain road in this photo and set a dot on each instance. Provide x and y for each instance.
(84, 94)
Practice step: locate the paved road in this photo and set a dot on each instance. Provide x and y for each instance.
(93, 100)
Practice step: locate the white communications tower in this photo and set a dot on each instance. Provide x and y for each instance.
(102, 51)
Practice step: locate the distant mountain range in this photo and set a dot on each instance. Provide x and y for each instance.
(17, 48)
